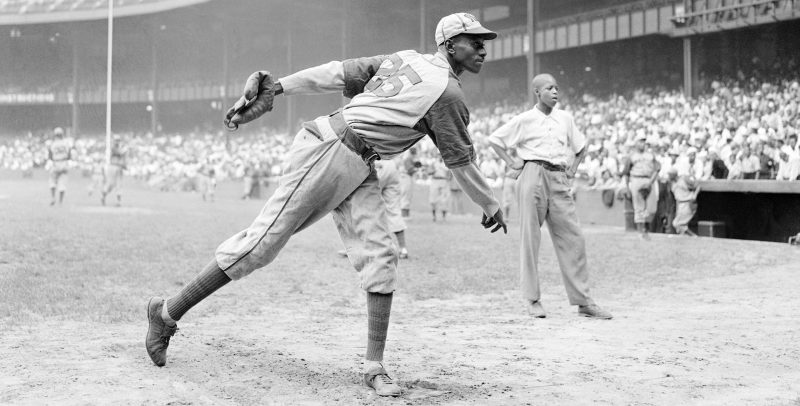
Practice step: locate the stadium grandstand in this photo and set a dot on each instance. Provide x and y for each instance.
(177, 63)
(714, 75)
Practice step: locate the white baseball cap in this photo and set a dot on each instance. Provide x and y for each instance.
(460, 23)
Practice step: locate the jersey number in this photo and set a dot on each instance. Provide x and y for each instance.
(378, 84)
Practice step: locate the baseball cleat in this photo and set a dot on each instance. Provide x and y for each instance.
(535, 309)
(378, 379)
(158, 332)
(594, 311)
(403, 254)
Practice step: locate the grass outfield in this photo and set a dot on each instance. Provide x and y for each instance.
(697, 321)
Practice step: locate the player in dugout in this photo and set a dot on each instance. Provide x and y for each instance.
(397, 100)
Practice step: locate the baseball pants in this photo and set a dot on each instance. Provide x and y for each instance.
(321, 175)
(643, 209)
(113, 179)
(406, 191)
(58, 179)
(684, 211)
(439, 194)
(389, 183)
(545, 195)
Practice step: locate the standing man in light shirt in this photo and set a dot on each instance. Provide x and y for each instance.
(549, 149)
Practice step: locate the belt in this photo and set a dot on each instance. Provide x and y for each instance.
(548, 165)
(352, 140)
(640, 176)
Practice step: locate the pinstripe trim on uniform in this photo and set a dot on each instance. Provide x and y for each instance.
(289, 199)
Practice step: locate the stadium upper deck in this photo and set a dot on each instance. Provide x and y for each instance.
(52, 11)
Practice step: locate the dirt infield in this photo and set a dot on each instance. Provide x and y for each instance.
(697, 321)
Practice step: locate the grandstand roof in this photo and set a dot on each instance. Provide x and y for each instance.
(18, 12)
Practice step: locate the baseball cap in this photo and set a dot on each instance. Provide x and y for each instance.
(58, 131)
(460, 23)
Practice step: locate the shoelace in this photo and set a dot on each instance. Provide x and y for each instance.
(168, 332)
(385, 379)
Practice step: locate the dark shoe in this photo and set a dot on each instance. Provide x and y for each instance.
(594, 311)
(379, 379)
(158, 332)
(342, 253)
(535, 309)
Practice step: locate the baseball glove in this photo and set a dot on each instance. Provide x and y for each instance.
(645, 191)
(257, 99)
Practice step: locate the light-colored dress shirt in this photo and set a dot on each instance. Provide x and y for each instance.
(537, 136)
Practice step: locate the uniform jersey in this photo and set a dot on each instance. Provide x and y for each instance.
(60, 153)
(118, 156)
(643, 164)
(396, 100)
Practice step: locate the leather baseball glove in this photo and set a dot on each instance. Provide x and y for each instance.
(257, 99)
(645, 191)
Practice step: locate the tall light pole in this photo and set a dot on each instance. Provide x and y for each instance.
(110, 47)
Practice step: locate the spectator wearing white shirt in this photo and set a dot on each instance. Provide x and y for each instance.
(788, 164)
(750, 163)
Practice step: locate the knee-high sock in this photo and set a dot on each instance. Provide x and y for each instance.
(204, 284)
(379, 307)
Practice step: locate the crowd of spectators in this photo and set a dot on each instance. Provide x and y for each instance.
(167, 162)
(740, 129)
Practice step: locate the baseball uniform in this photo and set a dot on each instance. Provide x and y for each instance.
(642, 167)
(396, 100)
(59, 153)
(113, 172)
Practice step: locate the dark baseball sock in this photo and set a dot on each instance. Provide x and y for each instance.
(401, 238)
(204, 284)
(379, 307)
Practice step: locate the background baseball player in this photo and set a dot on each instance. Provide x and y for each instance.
(439, 192)
(640, 172)
(396, 100)
(114, 170)
(685, 190)
(389, 183)
(59, 155)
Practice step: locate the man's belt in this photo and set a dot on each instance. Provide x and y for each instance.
(548, 165)
(352, 140)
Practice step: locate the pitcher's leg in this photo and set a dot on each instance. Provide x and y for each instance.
(316, 181)
(362, 224)
(320, 174)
